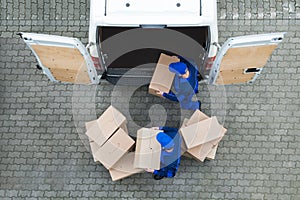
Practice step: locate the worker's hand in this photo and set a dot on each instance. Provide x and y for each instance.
(159, 93)
(149, 170)
(155, 128)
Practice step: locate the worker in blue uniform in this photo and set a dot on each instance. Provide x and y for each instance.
(170, 142)
(185, 85)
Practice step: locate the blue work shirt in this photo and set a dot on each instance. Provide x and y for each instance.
(169, 161)
(185, 88)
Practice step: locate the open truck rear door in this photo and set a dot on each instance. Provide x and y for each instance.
(241, 59)
(62, 59)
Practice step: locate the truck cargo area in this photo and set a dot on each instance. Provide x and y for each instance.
(125, 48)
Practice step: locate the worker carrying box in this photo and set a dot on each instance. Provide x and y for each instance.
(180, 73)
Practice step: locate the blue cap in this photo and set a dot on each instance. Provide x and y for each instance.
(165, 140)
(178, 68)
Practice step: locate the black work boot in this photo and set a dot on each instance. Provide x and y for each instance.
(157, 177)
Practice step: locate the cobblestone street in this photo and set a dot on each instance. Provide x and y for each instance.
(42, 148)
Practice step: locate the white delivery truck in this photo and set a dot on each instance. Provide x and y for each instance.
(129, 34)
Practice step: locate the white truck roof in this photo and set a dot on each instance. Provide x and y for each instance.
(167, 12)
(133, 13)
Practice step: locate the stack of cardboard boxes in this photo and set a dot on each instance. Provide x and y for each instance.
(110, 143)
(201, 135)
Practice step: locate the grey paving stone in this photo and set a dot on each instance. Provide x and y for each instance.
(259, 150)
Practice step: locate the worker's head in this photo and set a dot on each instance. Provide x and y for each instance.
(178, 68)
(165, 141)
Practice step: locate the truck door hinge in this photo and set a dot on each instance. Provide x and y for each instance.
(217, 45)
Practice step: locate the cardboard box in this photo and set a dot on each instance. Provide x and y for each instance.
(196, 117)
(184, 149)
(94, 148)
(148, 149)
(93, 145)
(88, 125)
(212, 154)
(184, 122)
(207, 149)
(183, 145)
(186, 154)
(105, 126)
(201, 132)
(124, 167)
(124, 127)
(112, 150)
(195, 152)
(200, 152)
(162, 78)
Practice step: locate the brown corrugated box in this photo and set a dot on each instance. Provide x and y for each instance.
(112, 144)
(94, 146)
(204, 145)
(148, 149)
(196, 117)
(207, 150)
(201, 132)
(105, 126)
(114, 148)
(108, 137)
(212, 154)
(124, 167)
(162, 78)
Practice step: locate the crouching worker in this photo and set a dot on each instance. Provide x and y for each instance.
(185, 85)
(170, 142)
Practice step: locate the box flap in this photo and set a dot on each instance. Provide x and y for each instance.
(197, 117)
(195, 132)
(106, 125)
(162, 78)
(95, 134)
(183, 146)
(215, 130)
(200, 152)
(148, 149)
(184, 122)
(207, 149)
(124, 167)
(94, 148)
(114, 148)
(124, 127)
(212, 154)
(111, 118)
(88, 125)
